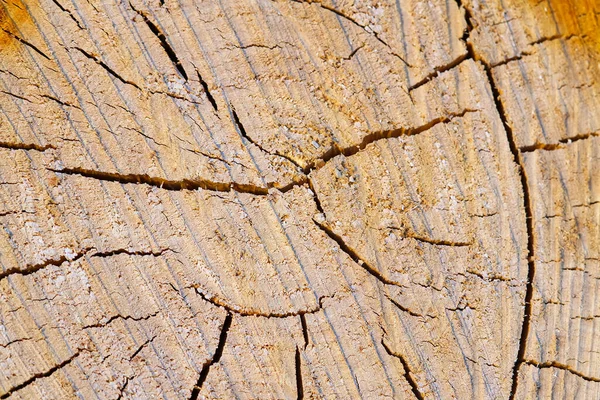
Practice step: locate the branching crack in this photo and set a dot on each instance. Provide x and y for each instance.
(39, 375)
(413, 384)
(517, 158)
(215, 359)
(355, 22)
(527, 206)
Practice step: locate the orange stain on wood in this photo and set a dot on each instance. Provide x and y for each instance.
(14, 18)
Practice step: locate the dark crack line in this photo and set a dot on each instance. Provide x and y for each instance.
(108, 69)
(215, 301)
(59, 261)
(244, 134)
(26, 43)
(26, 146)
(355, 22)
(527, 206)
(354, 255)
(163, 42)
(68, 12)
(540, 146)
(299, 385)
(529, 226)
(215, 359)
(577, 138)
(193, 184)
(185, 184)
(125, 318)
(38, 376)
(304, 329)
(412, 383)
(381, 135)
(439, 70)
(210, 97)
(37, 267)
(141, 347)
(564, 367)
(406, 310)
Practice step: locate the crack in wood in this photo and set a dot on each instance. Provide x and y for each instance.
(215, 301)
(35, 377)
(176, 185)
(564, 367)
(163, 42)
(108, 69)
(407, 374)
(215, 359)
(299, 385)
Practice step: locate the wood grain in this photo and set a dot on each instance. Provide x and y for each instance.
(273, 199)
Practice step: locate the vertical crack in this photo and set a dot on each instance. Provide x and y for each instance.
(299, 385)
(529, 226)
(304, 329)
(526, 200)
(215, 359)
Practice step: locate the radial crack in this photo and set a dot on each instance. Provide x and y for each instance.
(39, 375)
(215, 359)
(413, 384)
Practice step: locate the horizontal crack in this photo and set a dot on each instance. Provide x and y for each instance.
(115, 317)
(381, 135)
(25, 146)
(540, 146)
(564, 367)
(57, 262)
(214, 300)
(185, 184)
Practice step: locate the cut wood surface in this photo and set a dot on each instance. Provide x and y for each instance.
(285, 199)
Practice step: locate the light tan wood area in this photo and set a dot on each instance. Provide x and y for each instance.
(285, 199)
